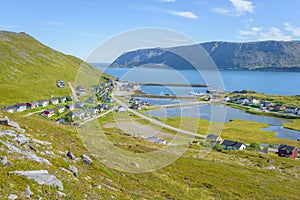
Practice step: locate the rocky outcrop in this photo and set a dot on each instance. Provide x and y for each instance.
(41, 177)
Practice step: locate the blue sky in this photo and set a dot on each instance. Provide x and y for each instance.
(77, 26)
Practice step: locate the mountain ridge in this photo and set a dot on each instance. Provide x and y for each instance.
(263, 55)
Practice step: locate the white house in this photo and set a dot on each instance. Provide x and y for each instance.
(230, 145)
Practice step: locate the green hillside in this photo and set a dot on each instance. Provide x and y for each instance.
(29, 70)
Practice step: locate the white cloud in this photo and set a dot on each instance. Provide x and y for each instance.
(295, 30)
(242, 7)
(239, 8)
(258, 33)
(166, 1)
(274, 34)
(189, 15)
(221, 11)
(9, 26)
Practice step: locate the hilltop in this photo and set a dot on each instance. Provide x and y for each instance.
(265, 55)
(29, 69)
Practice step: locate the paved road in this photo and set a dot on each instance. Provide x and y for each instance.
(73, 91)
(161, 124)
(32, 113)
(178, 105)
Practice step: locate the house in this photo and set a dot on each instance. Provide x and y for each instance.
(80, 114)
(54, 101)
(287, 151)
(32, 104)
(100, 107)
(157, 140)
(278, 107)
(243, 101)
(136, 106)
(9, 109)
(62, 99)
(226, 98)
(48, 113)
(70, 106)
(266, 104)
(20, 107)
(292, 110)
(121, 109)
(60, 121)
(254, 101)
(79, 87)
(95, 110)
(79, 104)
(230, 145)
(71, 116)
(69, 98)
(43, 103)
(82, 93)
(60, 109)
(212, 138)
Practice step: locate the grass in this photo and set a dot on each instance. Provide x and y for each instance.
(236, 130)
(294, 124)
(220, 175)
(29, 70)
(276, 99)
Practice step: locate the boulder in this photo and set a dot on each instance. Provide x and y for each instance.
(28, 192)
(74, 170)
(86, 159)
(12, 197)
(41, 177)
(3, 160)
(70, 155)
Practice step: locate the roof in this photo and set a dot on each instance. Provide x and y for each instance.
(232, 143)
(286, 147)
(212, 136)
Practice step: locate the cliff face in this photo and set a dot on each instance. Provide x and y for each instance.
(266, 55)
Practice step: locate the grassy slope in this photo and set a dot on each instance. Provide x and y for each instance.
(225, 175)
(29, 70)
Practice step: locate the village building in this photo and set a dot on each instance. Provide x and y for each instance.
(48, 113)
(287, 151)
(70, 106)
(43, 103)
(20, 107)
(54, 101)
(32, 104)
(231, 145)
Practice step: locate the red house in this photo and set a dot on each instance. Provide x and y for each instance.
(32, 104)
(48, 113)
(287, 151)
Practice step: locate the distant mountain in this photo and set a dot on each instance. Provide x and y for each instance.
(266, 55)
(29, 70)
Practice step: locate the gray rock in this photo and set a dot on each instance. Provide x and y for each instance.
(271, 167)
(70, 155)
(12, 197)
(3, 160)
(61, 194)
(86, 159)
(28, 154)
(41, 142)
(21, 139)
(270, 161)
(41, 177)
(74, 170)
(28, 192)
